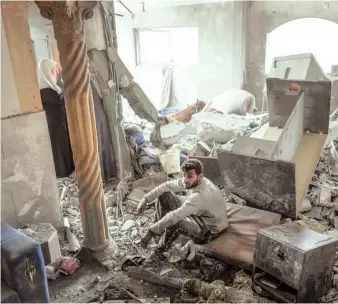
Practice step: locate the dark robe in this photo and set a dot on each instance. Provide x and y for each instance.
(54, 106)
(106, 151)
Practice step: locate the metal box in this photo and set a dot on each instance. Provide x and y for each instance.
(300, 66)
(273, 172)
(297, 256)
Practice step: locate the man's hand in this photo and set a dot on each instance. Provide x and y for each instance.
(145, 239)
(141, 206)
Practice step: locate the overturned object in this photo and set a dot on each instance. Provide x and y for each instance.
(273, 172)
(298, 257)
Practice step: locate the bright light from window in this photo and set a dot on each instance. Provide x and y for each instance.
(160, 46)
(308, 35)
(154, 47)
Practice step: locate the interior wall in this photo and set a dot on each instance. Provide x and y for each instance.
(28, 182)
(29, 192)
(265, 16)
(220, 49)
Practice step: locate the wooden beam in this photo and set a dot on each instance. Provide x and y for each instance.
(15, 20)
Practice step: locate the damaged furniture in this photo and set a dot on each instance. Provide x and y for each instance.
(22, 267)
(237, 242)
(300, 67)
(274, 171)
(300, 259)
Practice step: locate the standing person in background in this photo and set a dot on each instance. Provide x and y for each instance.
(50, 83)
(53, 103)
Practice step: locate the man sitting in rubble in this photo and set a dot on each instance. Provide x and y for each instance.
(200, 215)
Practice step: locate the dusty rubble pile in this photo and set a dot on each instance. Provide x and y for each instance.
(319, 212)
(319, 206)
(210, 129)
(125, 227)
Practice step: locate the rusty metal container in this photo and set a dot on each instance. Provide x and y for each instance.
(298, 257)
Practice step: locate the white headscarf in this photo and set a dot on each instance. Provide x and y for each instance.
(45, 77)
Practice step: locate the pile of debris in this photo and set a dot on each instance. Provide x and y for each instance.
(192, 133)
(318, 212)
(125, 227)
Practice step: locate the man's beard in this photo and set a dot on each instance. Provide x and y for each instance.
(193, 185)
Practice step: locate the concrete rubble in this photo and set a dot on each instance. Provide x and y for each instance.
(203, 134)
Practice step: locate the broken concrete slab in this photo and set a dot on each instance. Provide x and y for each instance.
(136, 97)
(305, 205)
(128, 225)
(315, 213)
(202, 149)
(131, 204)
(46, 235)
(136, 195)
(150, 182)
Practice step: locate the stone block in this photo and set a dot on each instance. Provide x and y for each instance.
(46, 235)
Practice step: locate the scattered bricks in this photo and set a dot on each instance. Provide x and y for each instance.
(136, 195)
(305, 205)
(46, 235)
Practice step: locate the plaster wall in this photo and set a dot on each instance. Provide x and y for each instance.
(220, 49)
(29, 192)
(28, 182)
(264, 17)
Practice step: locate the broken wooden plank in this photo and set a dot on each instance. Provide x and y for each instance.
(264, 184)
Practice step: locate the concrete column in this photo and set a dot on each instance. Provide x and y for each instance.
(68, 23)
(15, 22)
